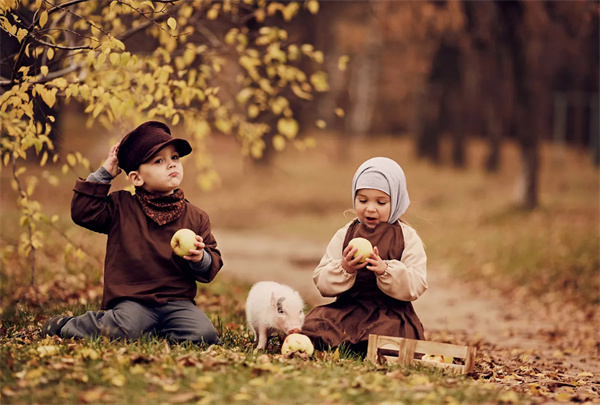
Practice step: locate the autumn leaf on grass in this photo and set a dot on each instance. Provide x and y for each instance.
(88, 353)
(44, 351)
(170, 387)
(114, 377)
(508, 397)
(183, 397)
(93, 395)
(202, 383)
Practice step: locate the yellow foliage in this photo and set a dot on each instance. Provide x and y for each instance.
(175, 82)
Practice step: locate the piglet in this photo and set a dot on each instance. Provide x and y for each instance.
(273, 307)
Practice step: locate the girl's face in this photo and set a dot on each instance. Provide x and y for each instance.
(372, 207)
(161, 174)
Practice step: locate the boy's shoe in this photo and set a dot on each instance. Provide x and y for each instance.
(54, 325)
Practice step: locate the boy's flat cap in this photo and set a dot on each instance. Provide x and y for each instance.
(143, 142)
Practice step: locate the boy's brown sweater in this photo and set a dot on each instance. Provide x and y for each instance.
(140, 264)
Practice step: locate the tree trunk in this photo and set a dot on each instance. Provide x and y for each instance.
(364, 81)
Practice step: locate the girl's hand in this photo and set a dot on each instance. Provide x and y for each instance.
(376, 263)
(349, 262)
(111, 164)
(196, 254)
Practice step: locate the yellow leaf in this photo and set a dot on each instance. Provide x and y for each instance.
(49, 97)
(65, 169)
(242, 396)
(21, 33)
(118, 381)
(288, 127)
(509, 397)
(54, 218)
(343, 62)
(253, 111)
(47, 350)
(125, 58)
(313, 6)
(71, 159)
(148, 3)
(320, 81)
(170, 387)
(97, 110)
(279, 143)
(172, 23)
(115, 59)
(43, 18)
(339, 112)
(89, 353)
(19, 171)
(44, 70)
(137, 369)
(321, 124)
(50, 53)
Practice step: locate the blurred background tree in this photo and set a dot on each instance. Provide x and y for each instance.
(203, 66)
(526, 71)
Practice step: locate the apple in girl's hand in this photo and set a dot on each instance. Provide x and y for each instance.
(364, 248)
(182, 241)
(297, 342)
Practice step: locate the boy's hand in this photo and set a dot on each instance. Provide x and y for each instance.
(349, 262)
(111, 164)
(376, 263)
(197, 254)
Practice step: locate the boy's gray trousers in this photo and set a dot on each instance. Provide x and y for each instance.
(177, 320)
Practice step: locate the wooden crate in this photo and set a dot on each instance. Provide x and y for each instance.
(407, 351)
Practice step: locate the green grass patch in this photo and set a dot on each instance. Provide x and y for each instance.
(51, 370)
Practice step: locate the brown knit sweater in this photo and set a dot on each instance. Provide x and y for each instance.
(140, 264)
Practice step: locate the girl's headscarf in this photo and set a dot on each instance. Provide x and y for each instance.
(383, 174)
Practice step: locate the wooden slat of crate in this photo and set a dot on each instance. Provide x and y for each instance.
(403, 351)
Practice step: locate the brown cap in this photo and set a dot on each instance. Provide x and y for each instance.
(142, 143)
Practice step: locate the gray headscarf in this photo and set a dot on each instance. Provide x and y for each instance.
(383, 174)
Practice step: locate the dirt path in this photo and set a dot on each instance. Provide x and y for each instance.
(551, 339)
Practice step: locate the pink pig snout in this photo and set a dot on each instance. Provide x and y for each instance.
(295, 330)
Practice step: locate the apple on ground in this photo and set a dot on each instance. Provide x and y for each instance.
(297, 342)
(438, 358)
(364, 248)
(182, 241)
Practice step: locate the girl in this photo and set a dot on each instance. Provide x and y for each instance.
(373, 297)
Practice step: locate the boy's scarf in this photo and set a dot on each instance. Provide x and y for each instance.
(162, 209)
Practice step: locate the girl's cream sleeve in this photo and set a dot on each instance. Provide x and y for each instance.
(406, 279)
(329, 276)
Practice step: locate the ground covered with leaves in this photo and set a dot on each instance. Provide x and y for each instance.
(51, 370)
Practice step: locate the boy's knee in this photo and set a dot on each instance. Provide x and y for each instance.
(204, 335)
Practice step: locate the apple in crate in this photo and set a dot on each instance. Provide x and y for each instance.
(297, 342)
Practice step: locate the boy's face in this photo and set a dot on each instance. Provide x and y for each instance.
(161, 174)
(372, 207)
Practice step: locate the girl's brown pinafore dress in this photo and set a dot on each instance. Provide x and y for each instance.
(364, 309)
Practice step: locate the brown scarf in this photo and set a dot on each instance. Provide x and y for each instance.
(162, 209)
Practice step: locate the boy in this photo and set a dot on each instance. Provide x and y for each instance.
(147, 288)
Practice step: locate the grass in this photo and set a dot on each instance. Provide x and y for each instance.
(62, 371)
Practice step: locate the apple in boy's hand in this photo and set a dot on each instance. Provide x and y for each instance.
(297, 342)
(182, 241)
(364, 248)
